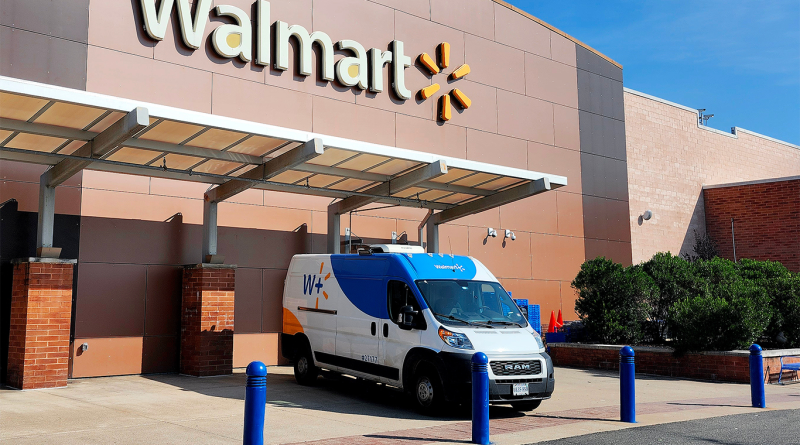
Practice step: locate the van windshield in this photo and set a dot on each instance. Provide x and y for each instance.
(479, 303)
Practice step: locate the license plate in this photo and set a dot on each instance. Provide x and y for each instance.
(520, 389)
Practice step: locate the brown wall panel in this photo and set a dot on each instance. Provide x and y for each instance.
(37, 57)
(272, 300)
(247, 305)
(110, 300)
(163, 301)
(65, 19)
(106, 356)
(160, 354)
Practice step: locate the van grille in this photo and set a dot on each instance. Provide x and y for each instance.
(521, 367)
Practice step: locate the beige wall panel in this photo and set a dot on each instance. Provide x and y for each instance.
(566, 127)
(370, 226)
(423, 135)
(423, 36)
(250, 196)
(338, 118)
(482, 115)
(556, 257)
(454, 239)
(296, 201)
(246, 100)
(420, 8)
(472, 16)
(260, 217)
(547, 294)
(68, 199)
(410, 229)
(116, 181)
(401, 213)
(514, 29)
(570, 213)
(252, 347)
(535, 214)
(368, 23)
(480, 221)
(107, 356)
(173, 50)
(524, 117)
(557, 161)
(114, 25)
(124, 75)
(23, 171)
(494, 64)
(496, 149)
(416, 79)
(551, 81)
(178, 189)
(107, 204)
(562, 49)
(504, 258)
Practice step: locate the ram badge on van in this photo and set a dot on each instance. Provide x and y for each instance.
(411, 320)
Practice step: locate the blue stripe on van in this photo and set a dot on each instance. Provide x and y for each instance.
(445, 267)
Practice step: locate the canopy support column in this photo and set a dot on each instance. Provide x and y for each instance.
(210, 233)
(334, 231)
(44, 227)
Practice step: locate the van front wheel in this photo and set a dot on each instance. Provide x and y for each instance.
(428, 392)
(304, 370)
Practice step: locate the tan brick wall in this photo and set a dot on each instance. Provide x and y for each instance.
(207, 321)
(41, 304)
(670, 159)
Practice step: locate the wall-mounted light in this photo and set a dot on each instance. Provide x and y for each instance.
(510, 234)
(492, 233)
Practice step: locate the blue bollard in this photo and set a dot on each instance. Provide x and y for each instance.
(255, 400)
(627, 385)
(757, 377)
(480, 398)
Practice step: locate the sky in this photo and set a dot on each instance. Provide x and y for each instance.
(738, 59)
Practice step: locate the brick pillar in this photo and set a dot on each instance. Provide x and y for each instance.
(207, 319)
(41, 310)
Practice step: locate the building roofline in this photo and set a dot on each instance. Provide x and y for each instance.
(757, 181)
(557, 31)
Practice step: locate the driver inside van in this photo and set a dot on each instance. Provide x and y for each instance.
(447, 303)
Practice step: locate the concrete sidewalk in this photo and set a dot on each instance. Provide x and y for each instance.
(178, 409)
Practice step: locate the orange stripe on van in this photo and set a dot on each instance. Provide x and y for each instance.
(321, 265)
(291, 325)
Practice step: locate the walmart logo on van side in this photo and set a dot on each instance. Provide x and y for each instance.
(314, 282)
(453, 267)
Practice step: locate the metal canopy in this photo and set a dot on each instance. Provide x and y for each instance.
(72, 130)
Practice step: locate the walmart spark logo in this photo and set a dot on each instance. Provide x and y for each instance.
(314, 282)
(445, 108)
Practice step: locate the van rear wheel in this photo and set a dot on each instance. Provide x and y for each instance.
(528, 405)
(305, 372)
(427, 391)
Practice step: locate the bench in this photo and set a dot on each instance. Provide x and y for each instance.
(788, 366)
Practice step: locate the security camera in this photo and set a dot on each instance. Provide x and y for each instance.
(647, 215)
(510, 234)
(492, 232)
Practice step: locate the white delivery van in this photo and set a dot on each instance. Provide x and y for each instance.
(411, 320)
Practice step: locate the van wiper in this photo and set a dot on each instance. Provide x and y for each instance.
(474, 323)
(504, 322)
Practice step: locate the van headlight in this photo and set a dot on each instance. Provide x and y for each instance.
(455, 339)
(538, 339)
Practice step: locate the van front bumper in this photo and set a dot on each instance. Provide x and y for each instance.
(458, 383)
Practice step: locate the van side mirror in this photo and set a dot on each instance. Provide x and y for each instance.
(408, 313)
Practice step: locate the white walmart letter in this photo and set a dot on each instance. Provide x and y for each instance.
(378, 59)
(282, 34)
(156, 24)
(262, 30)
(353, 70)
(400, 63)
(233, 40)
(192, 33)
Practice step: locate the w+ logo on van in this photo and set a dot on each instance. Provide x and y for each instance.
(312, 281)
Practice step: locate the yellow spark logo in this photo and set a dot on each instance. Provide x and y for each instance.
(443, 53)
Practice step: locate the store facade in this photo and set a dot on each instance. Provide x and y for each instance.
(473, 80)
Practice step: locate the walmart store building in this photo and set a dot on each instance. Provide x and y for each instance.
(161, 162)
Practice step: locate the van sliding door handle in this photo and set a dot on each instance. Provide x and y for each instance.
(386, 329)
(373, 328)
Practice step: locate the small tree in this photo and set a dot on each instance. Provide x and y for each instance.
(704, 248)
(612, 300)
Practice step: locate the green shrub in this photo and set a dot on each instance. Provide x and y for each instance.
(716, 271)
(676, 280)
(613, 301)
(732, 315)
(785, 295)
(761, 270)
